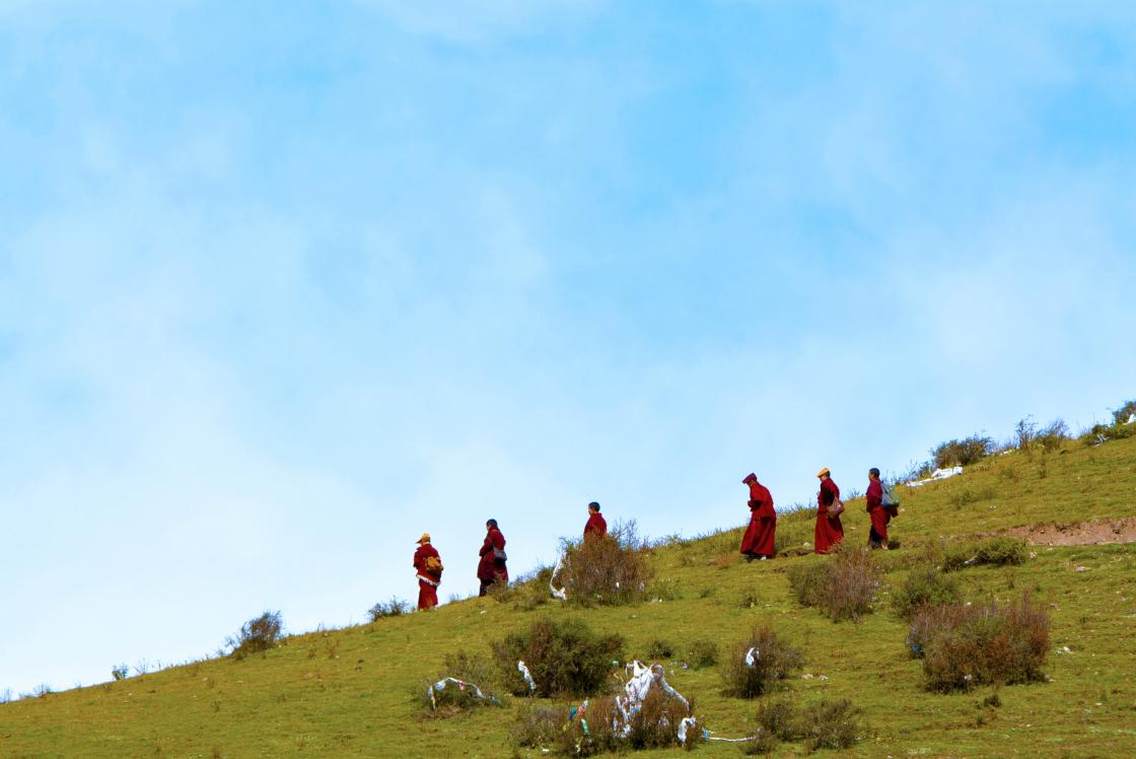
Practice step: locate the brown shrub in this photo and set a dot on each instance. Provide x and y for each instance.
(965, 646)
(538, 726)
(258, 634)
(832, 724)
(609, 571)
(654, 725)
(826, 724)
(843, 586)
(774, 660)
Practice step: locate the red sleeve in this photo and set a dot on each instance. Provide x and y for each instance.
(875, 494)
(498, 539)
(487, 545)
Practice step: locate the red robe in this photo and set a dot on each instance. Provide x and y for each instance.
(759, 537)
(596, 526)
(878, 534)
(427, 581)
(828, 532)
(489, 570)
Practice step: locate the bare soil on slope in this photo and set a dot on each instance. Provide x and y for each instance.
(1090, 533)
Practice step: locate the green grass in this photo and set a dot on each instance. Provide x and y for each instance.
(350, 692)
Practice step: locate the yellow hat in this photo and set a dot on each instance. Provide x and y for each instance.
(823, 471)
(425, 538)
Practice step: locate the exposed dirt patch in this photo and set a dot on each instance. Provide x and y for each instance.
(1079, 533)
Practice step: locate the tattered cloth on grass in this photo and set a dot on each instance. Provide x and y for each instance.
(649, 713)
(938, 474)
(461, 685)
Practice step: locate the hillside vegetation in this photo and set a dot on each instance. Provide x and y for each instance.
(355, 691)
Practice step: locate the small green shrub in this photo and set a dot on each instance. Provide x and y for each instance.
(564, 658)
(779, 718)
(396, 607)
(843, 585)
(962, 452)
(924, 586)
(119, 672)
(966, 646)
(660, 649)
(998, 551)
(764, 743)
(825, 724)
(773, 660)
(258, 634)
(832, 724)
(1126, 414)
(702, 653)
(452, 699)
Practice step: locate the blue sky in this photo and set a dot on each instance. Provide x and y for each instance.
(281, 289)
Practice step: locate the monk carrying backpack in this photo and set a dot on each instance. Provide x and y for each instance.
(889, 501)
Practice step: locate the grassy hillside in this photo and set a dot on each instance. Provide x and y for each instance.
(348, 692)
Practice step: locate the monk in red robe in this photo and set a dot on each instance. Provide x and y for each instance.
(491, 569)
(758, 541)
(597, 525)
(428, 565)
(829, 531)
(877, 512)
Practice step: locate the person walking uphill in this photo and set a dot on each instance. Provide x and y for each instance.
(877, 511)
(428, 564)
(829, 531)
(491, 568)
(597, 525)
(758, 541)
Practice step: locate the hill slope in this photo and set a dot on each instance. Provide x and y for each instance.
(348, 692)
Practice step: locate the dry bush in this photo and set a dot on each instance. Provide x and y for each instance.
(826, 724)
(924, 586)
(965, 646)
(654, 725)
(843, 585)
(396, 607)
(779, 718)
(258, 634)
(1126, 414)
(832, 724)
(1053, 436)
(774, 660)
(1123, 425)
(538, 727)
(471, 668)
(962, 452)
(564, 658)
(702, 653)
(609, 571)
(999, 551)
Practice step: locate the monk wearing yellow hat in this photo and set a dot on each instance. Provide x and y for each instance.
(428, 564)
(829, 531)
